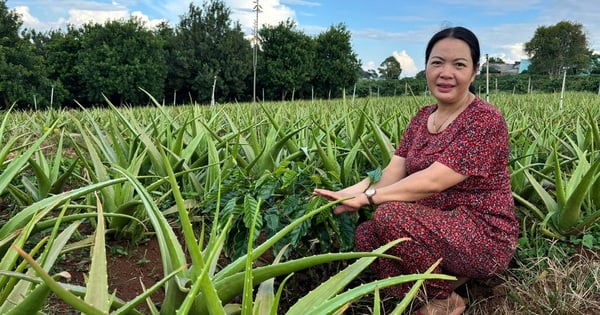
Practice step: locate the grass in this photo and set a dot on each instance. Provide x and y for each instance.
(541, 285)
(546, 286)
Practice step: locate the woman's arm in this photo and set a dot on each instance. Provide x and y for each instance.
(419, 185)
(436, 178)
(393, 172)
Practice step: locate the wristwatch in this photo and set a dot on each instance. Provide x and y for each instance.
(370, 193)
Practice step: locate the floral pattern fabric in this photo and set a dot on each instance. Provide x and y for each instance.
(470, 226)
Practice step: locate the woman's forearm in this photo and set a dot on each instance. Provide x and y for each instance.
(357, 188)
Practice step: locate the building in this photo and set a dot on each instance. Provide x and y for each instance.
(508, 68)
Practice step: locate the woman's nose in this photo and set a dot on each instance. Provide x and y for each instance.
(445, 71)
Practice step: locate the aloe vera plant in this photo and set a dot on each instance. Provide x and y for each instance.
(562, 214)
(211, 290)
(153, 167)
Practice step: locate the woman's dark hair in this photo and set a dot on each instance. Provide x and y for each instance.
(461, 33)
(458, 32)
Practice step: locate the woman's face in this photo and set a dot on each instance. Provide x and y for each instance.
(450, 71)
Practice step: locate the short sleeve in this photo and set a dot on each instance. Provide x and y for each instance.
(481, 147)
(411, 131)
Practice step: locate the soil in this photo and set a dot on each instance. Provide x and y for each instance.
(129, 266)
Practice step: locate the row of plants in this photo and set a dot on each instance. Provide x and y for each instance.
(523, 83)
(223, 177)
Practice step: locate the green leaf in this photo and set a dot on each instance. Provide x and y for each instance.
(375, 175)
(15, 165)
(97, 284)
(64, 294)
(320, 296)
(33, 302)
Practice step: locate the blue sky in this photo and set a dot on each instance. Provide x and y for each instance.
(379, 28)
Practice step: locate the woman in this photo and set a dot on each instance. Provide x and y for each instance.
(447, 187)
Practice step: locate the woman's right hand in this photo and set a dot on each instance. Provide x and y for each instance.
(345, 206)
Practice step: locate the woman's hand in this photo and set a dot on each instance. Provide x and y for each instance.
(352, 204)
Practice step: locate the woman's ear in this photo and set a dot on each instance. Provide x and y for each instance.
(475, 71)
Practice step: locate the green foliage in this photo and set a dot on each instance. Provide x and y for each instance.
(337, 65)
(249, 170)
(286, 62)
(117, 59)
(496, 60)
(60, 50)
(375, 175)
(23, 77)
(208, 46)
(555, 177)
(554, 47)
(390, 68)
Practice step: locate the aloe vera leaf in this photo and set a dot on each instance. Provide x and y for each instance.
(336, 283)
(61, 292)
(97, 284)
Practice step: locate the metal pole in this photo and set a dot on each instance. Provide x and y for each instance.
(52, 97)
(487, 78)
(212, 99)
(562, 91)
(255, 51)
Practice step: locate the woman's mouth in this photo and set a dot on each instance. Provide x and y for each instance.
(445, 87)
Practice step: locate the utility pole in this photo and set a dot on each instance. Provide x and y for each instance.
(487, 78)
(562, 91)
(256, 8)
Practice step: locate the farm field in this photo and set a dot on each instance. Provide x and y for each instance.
(203, 203)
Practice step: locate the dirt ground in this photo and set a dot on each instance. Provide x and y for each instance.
(129, 266)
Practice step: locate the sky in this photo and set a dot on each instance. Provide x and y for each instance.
(379, 28)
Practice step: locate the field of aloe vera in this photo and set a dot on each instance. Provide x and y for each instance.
(225, 194)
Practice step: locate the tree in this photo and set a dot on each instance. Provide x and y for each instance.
(117, 59)
(554, 47)
(368, 74)
(337, 65)
(483, 67)
(207, 45)
(22, 73)
(497, 60)
(60, 51)
(390, 68)
(286, 62)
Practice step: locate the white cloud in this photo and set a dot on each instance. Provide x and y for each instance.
(29, 20)
(409, 69)
(32, 22)
(79, 17)
(25, 15)
(516, 52)
(146, 20)
(370, 65)
(272, 13)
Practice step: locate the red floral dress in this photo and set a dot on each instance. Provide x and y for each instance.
(471, 225)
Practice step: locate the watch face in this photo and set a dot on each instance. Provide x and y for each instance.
(370, 192)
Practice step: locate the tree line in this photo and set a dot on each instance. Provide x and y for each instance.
(554, 51)
(516, 84)
(204, 55)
